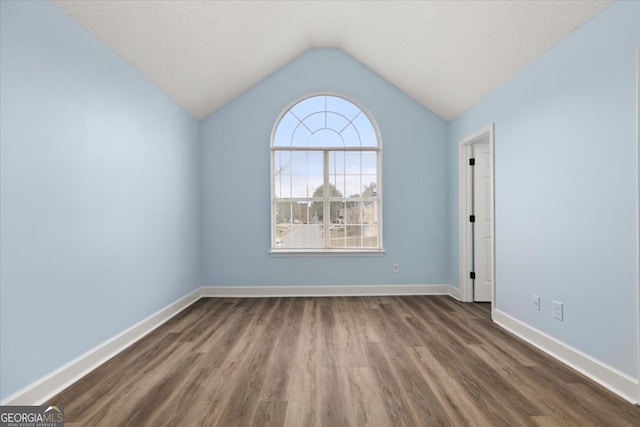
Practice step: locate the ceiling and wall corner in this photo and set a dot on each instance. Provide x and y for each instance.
(446, 55)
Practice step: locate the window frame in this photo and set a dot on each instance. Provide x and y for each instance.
(326, 250)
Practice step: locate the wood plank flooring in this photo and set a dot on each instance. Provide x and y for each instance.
(348, 361)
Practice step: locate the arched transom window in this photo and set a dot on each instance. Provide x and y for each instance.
(325, 191)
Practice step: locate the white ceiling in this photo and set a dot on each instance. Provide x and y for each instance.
(444, 54)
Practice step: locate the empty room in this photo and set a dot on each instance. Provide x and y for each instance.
(320, 213)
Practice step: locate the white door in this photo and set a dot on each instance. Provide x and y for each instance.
(482, 226)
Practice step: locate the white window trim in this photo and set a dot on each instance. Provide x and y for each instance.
(327, 251)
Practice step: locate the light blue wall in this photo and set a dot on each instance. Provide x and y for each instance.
(101, 198)
(235, 174)
(566, 188)
(99, 194)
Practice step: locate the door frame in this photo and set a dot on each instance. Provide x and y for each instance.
(464, 203)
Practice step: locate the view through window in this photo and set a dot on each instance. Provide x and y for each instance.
(325, 177)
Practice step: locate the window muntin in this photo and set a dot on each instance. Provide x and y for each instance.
(325, 141)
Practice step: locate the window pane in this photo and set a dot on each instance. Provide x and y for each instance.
(283, 212)
(315, 164)
(293, 212)
(326, 138)
(336, 162)
(306, 162)
(337, 236)
(298, 226)
(366, 131)
(353, 213)
(336, 183)
(342, 106)
(299, 162)
(315, 185)
(299, 193)
(356, 225)
(309, 106)
(360, 212)
(336, 121)
(282, 136)
(352, 126)
(317, 191)
(354, 236)
(299, 186)
(307, 236)
(369, 186)
(352, 185)
(370, 215)
(370, 237)
(349, 237)
(351, 137)
(336, 224)
(282, 186)
(306, 177)
(336, 212)
(369, 162)
(347, 173)
(316, 212)
(352, 162)
(315, 121)
(281, 162)
(300, 137)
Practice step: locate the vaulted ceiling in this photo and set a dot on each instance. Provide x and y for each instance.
(444, 54)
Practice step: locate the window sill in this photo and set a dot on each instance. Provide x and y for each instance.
(325, 252)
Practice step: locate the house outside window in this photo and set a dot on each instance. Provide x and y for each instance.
(325, 178)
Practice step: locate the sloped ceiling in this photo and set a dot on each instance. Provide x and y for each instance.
(444, 54)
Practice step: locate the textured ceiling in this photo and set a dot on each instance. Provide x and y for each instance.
(444, 54)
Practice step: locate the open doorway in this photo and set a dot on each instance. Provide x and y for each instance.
(476, 213)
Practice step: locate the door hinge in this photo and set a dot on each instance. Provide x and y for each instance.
(472, 162)
(472, 218)
(472, 275)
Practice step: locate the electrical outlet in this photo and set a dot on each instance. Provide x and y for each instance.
(536, 302)
(557, 310)
(395, 268)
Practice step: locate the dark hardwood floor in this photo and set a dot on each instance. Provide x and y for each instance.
(349, 361)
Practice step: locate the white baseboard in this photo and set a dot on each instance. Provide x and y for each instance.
(454, 293)
(326, 291)
(618, 382)
(48, 386)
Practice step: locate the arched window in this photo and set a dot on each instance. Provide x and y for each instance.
(325, 177)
